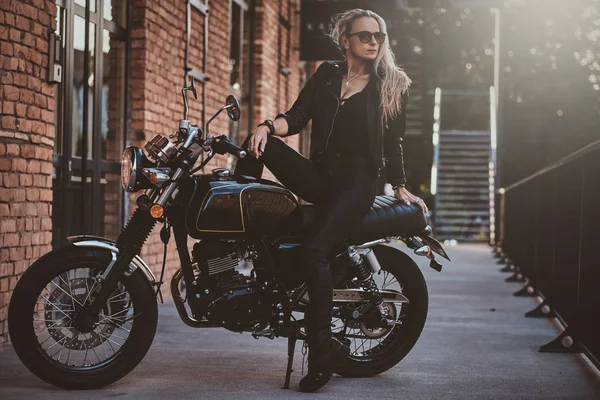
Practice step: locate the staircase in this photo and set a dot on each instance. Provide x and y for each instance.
(414, 109)
(462, 203)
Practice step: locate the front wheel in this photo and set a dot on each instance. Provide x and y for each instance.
(374, 350)
(42, 320)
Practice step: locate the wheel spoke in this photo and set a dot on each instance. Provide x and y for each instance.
(109, 339)
(68, 294)
(89, 291)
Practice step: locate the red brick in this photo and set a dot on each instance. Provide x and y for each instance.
(21, 266)
(23, 23)
(44, 18)
(6, 78)
(34, 84)
(29, 39)
(12, 149)
(21, 110)
(26, 96)
(33, 112)
(10, 180)
(37, 29)
(13, 283)
(11, 93)
(8, 107)
(41, 100)
(11, 240)
(4, 164)
(3, 288)
(38, 127)
(19, 165)
(46, 224)
(20, 80)
(31, 195)
(8, 225)
(2, 150)
(50, 130)
(48, 89)
(28, 151)
(47, 116)
(6, 48)
(24, 125)
(33, 166)
(10, 19)
(9, 122)
(46, 195)
(6, 269)
(16, 253)
(15, 35)
(11, 63)
(25, 180)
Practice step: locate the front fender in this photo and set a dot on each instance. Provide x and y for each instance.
(110, 245)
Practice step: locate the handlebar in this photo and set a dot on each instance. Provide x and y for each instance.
(221, 145)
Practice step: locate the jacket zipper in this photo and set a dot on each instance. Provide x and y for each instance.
(334, 115)
(383, 159)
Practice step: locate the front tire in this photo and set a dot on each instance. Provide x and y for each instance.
(44, 333)
(393, 346)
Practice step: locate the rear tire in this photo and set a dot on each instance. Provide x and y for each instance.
(401, 339)
(25, 302)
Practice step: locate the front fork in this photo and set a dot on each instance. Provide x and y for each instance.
(130, 243)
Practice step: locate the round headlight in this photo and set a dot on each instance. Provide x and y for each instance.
(129, 165)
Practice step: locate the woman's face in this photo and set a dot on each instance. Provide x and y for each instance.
(353, 45)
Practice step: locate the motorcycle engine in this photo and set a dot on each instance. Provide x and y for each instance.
(227, 296)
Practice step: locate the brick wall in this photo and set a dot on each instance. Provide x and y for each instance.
(26, 141)
(158, 58)
(27, 105)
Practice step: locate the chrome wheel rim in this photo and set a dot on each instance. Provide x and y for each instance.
(366, 342)
(58, 337)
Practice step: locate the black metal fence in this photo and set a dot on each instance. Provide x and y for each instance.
(549, 237)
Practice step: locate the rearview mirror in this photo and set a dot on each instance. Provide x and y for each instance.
(233, 107)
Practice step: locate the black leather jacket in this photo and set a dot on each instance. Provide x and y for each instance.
(319, 100)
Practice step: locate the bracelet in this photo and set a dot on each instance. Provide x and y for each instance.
(398, 186)
(269, 124)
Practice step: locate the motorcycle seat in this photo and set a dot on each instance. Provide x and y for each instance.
(387, 217)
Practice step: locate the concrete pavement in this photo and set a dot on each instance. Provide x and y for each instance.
(476, 345)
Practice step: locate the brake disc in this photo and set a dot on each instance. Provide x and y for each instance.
(61, 307)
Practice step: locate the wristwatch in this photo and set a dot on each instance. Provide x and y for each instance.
(398, 186)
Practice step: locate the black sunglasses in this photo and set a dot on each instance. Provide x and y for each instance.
(365, 36)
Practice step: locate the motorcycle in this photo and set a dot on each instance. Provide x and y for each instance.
(85, 315)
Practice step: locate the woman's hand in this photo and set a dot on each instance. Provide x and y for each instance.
(404, 195)
(258, 141)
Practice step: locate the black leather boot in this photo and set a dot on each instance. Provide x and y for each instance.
(322, 360)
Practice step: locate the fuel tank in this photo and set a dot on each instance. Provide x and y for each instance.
(231, 206)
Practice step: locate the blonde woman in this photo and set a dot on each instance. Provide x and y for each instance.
(358, 122)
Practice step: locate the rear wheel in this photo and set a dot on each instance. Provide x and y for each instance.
(374, 350)
(43, 312)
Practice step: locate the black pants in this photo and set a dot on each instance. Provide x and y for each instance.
(342, 190)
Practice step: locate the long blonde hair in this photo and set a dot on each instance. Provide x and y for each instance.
(392, 80)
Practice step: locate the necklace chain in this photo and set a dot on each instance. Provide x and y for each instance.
(350, 79)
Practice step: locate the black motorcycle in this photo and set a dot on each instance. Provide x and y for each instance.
(85, 315)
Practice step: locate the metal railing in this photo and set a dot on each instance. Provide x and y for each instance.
(548, 236)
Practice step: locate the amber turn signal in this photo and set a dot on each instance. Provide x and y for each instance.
(157, 211)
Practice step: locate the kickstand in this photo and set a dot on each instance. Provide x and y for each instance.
(291, 349)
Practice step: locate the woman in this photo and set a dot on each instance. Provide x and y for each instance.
(358, 125)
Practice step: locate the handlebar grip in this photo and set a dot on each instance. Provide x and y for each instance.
(222, 145)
